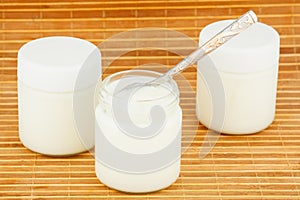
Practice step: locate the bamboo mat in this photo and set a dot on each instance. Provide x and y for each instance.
(259, 166)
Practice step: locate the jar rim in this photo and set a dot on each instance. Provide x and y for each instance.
(170, 85)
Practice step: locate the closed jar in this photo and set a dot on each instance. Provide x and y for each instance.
(138, 133)
(237, 83)
(56, 84)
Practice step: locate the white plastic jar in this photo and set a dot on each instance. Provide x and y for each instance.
(247, 68)
(56, 84)
(138, 137)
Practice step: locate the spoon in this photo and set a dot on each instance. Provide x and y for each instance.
(235, 28)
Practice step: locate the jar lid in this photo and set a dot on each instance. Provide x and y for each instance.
(59, 64)
(255, 49)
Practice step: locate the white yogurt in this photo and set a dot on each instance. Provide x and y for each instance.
(130, 156)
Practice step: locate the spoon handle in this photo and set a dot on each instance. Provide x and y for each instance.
(239, 25)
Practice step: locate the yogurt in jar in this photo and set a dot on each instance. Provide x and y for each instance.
(138, 133)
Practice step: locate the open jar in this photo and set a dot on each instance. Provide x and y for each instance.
(138, 133)
(247, 67)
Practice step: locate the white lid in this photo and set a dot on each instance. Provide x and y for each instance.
(254, 49)
(54, 63)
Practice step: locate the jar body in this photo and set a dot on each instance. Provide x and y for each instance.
(47, 124)
(250, 100)
(133, 164)
(125, 181)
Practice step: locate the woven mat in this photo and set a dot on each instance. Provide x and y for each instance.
(260, 166)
